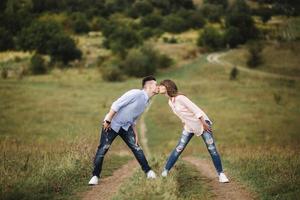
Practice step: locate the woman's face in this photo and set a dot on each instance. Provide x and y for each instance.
(162, 89)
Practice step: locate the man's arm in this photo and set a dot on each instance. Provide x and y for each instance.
(124, 100)
(107, 119)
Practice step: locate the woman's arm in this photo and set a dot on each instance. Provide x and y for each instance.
(195, 109)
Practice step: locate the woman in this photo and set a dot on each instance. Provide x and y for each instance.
(195, 122)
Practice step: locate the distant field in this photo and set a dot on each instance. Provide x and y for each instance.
(277, 58)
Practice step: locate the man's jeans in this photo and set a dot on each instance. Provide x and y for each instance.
(184, 140)
(106, 140)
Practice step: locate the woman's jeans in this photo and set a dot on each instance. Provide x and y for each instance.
(106, 140)
(184, 140)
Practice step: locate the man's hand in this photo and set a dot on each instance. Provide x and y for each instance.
(106, 125)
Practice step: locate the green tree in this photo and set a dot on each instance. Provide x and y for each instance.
(192, 18)
(121, 39)
(6, 40)
(223, 3)
(141, 8)
(211, 39)
(48, 38)
(79, 23)
(239, 16)
(213, 12)
(255, 57)
(63, 48)
(233, 37)
(38, 35)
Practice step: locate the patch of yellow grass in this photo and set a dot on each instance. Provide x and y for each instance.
(11, 55)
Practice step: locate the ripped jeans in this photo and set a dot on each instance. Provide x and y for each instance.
(184, 140)
(106, 140)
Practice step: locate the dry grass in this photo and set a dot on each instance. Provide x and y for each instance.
(278, 58)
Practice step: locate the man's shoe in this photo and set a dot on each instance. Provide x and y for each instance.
(151, 174)
(94, 180)
(223, 178)
(164, 173)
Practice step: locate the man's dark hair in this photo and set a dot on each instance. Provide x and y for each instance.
(148, 78)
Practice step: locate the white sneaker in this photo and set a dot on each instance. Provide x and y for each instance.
(151, 174)
(223, 178)
(164, 173)
(94, 180)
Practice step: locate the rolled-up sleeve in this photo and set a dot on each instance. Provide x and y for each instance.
(191, 106)
(124, 100)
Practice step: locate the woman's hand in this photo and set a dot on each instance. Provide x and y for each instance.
(206, 127)
(135, 135)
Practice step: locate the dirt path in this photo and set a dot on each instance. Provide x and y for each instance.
(109, 186)
(143, 131)
(216, 59)
(227, 191)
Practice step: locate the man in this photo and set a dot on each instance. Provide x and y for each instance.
(121, 120)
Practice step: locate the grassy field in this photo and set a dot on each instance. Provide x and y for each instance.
(276, 58)
(256, 135)
(49, 126)
(49, 132)
(49, 129)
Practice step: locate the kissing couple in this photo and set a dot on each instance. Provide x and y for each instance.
(122, 118)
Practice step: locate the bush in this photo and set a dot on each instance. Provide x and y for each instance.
(174, 24)
(152, 21)
(234, 73)
(171, 40)
(255, 58)
(211, 38)
(37, 65)
(192, 18)
(79, 23)
(110, 70)
(147, 32)
(138, 64)
(97, 23)
(4, 73)
(164, 61)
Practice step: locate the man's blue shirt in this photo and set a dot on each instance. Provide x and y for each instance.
(128, 108)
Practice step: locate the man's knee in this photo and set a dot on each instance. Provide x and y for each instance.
(179, 148)
(103, 149)
(212, 149)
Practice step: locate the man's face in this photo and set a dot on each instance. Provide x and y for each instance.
(152, 85)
